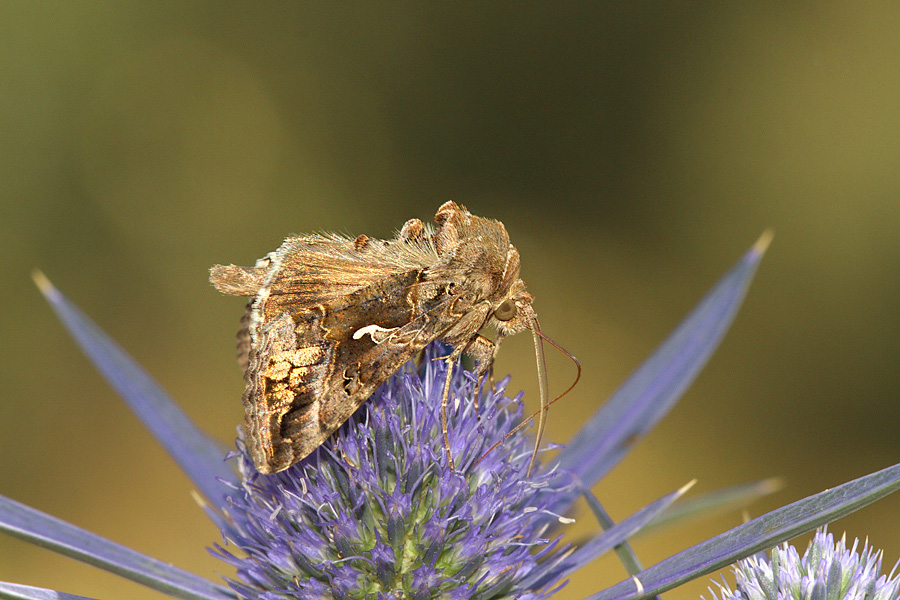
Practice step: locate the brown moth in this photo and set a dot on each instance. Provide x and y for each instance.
(332, 318)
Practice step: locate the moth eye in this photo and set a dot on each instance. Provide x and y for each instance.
(506, 310)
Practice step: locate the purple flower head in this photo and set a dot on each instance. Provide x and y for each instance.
(826, 570)
(377, 509)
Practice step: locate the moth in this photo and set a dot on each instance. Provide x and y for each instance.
(331, 318)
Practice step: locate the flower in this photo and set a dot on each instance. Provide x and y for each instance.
(378, 510)
(826, 570)
(377, 513)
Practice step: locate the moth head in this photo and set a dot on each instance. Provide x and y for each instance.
(513, 313)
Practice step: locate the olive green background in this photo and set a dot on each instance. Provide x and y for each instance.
(633, 150)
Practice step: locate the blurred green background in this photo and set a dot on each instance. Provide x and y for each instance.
(633, 150)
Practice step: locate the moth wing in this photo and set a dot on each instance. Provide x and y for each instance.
(308, 372)
(306, 427)
(244, 340)
(309, 270)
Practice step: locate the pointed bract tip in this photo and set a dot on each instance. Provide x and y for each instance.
(772, 485)
(762, 244)
(638, 585)
(683, 489)
(43, 284)
(200, 500)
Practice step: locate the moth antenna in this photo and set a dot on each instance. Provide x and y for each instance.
(537, 332)
(571, 357)
(544, 391)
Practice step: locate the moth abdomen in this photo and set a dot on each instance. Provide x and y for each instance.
(238, 281)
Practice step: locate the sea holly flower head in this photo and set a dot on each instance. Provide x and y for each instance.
(827, 569)
(377, 511)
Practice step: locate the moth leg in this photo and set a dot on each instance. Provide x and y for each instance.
(493, 358)
(450, 360)
(483, 351)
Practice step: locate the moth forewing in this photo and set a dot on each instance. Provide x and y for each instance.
(331, 318)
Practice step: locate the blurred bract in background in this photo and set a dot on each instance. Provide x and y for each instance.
(633, 151)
